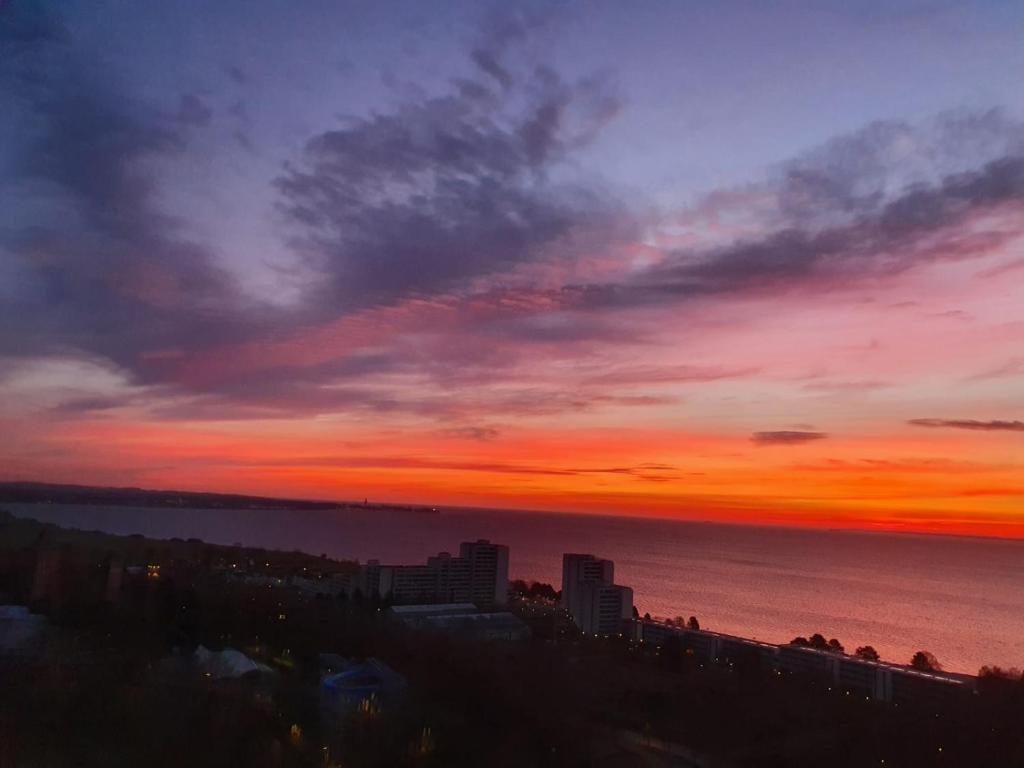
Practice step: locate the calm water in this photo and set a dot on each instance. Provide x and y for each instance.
(962, 599)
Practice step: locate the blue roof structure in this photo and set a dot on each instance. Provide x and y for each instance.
(361, 683)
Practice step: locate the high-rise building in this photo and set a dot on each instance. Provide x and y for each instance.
(408, 583)
(478, 575)
(488, 571)
(453, 578)
(603, 608)
(597, 605)
(579, 569)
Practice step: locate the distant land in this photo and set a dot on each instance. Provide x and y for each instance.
(50, 493)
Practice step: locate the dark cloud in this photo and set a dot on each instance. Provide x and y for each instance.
(786, 437)
(918, 226)
(482, 434)
(859, 173)
(418, 202)
(94, 265)
(192, 110)
(445, 188)
(275, 395)
(87, 406)
(984, 426)
(242, 139)
(500, 30)
(643, 472)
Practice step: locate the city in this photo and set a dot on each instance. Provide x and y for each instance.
(254, 624)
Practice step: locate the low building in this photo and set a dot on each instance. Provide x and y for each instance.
(800, 660)
(880, 681)
(733, 649)
(463, 619)
(655, 632)
(910, 685)
(705, 645)
(863, 676)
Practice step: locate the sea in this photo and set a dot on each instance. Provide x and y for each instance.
(960, 598)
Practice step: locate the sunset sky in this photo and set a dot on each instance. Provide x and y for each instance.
(711, 261)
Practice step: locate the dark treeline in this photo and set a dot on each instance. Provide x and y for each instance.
(535, 590)
(48, 493)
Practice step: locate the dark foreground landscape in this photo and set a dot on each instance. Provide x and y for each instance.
(166, 653)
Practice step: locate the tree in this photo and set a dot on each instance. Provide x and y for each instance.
(925, 662)
(800, 641)
(692, 623)
(819, 642)
(636, 612)
(867, 653)
(544, 591)
(998, 672)
(834, 646)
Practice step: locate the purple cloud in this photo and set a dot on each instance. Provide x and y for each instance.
(786, 437)
(995, 425)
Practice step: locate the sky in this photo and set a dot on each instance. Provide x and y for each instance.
(742, 262)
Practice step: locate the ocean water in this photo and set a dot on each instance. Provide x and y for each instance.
(960, 598)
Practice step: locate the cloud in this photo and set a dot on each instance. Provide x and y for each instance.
(447, 188)
(458, 211)
(1002, 269)
(192, 110)
(1012, 367)
(984, 426)
(88, 406)
(647, 472)
(786, 437)
(678, 374)
(861, 172)
(501, 30)
(383, 248)
(906, 465)
(93, 264)
(482, 434)
(841, 387)
(921, 225)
